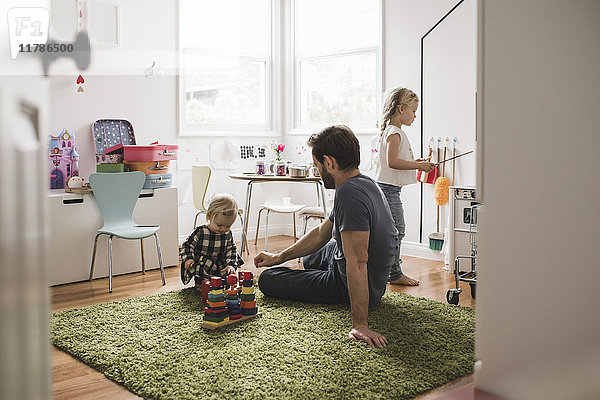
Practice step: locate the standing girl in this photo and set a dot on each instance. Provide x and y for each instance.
(396, 164)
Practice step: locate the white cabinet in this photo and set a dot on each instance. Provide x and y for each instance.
(74, 219)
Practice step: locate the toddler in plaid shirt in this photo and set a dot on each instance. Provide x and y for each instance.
(210, 250)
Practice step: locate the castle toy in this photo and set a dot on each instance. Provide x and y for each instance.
(63, 159)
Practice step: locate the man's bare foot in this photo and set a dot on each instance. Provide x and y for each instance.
(405, 281)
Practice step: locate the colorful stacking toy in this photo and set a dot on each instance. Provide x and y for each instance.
(216, 314)
(248, 300)
(232, 300)
(234, 305)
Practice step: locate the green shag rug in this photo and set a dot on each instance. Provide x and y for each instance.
(156, 348)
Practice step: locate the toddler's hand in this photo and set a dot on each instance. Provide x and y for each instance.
(228, 269)
(425, 166)
(189, 264)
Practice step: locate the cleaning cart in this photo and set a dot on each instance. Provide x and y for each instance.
(469, 262)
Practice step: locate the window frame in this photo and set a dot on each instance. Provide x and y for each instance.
(282, 101)
(272, 89)
(294, 127)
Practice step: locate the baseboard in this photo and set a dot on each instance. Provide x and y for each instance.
(420, 250)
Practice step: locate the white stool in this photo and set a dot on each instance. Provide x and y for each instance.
(311, 212)
(285, 208)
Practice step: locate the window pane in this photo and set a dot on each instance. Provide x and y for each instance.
(224, 90)
(339, 89)
(330, 25)
(235, 26)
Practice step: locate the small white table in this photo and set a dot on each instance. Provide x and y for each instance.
(254, 178)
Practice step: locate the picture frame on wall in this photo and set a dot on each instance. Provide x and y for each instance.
(103, 23)
(66, 19)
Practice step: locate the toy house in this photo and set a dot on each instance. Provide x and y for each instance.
(63, 159)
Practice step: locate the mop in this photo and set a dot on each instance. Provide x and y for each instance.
(445, 248)
(436, 239)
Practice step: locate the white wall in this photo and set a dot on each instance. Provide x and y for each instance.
(537, 306)
(405, 23)
(116, 87)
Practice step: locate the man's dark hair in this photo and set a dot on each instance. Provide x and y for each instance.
(339, 142)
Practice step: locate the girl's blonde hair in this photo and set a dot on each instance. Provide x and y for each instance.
(221, 204)
(394, 98)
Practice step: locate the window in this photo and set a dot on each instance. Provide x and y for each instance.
(232, 66)
(336, 62)
(225, 65)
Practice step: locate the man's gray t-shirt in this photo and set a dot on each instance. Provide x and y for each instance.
(360, 205)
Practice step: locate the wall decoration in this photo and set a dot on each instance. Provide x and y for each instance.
(64, 23)
(103, 23)
(80, 81)
(223, 154)
(67, 19)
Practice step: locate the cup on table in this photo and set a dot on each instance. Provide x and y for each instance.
(260, 168)
(280, 168)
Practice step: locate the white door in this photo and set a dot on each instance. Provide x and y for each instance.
(24, 302)
(448, 102)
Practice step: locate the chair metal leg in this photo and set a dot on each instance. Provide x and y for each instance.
(143, 261)
(305, 225)
(94, 256)
(267, 229)
(294, 218)
(258, 225)
(160, 262)
(110, 263)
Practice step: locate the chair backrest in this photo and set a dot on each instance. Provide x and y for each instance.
(200, 178)
(116, 194)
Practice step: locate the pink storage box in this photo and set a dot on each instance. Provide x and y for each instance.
(153, 152)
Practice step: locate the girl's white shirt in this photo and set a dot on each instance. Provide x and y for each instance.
(390, 176)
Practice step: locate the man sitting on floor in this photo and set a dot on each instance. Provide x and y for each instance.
(354, 267)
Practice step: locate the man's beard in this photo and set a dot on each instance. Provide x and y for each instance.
(328, 180)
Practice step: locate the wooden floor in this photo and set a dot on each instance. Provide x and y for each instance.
(73, 379)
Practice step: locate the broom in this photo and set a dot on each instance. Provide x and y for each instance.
(440, 189)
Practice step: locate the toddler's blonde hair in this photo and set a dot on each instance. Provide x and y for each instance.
(221, 204)
(394, 98)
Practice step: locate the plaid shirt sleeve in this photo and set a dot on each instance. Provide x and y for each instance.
(232, 257)
(196, 248)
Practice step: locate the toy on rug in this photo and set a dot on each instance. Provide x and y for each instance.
(232, 300)
(247, 298)
(216, 313)
(228, 309)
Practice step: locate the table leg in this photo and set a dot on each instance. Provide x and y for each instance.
(246, 217)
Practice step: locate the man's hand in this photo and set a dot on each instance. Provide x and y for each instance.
(189, 264)
(229, 269)
(266, 259)
(363, 333)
